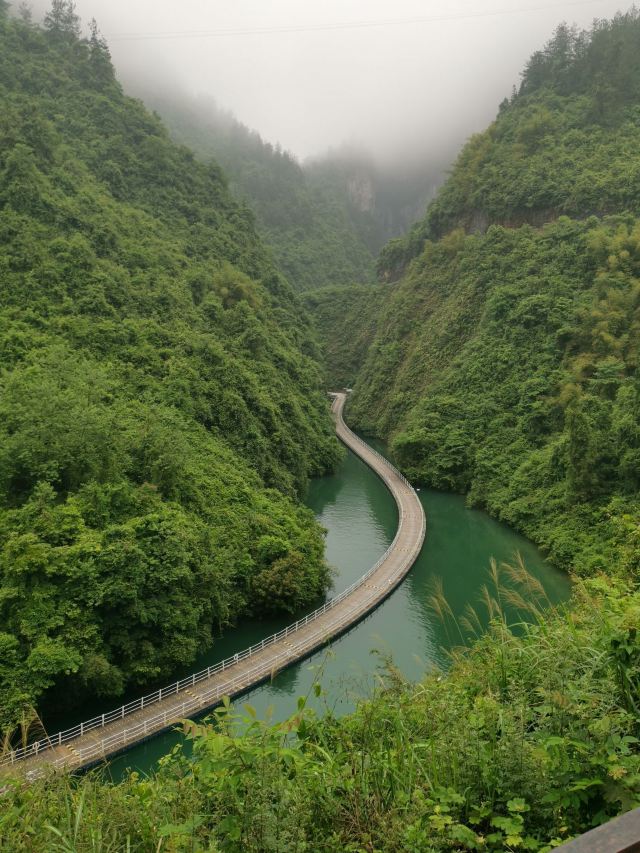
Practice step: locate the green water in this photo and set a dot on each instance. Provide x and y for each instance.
(360, 517)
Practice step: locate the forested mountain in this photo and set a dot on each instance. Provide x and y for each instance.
(503, 361)
(383, 199)
(346, 319)
(565, 145)
(157, 378)
(325, 220)
(160, 402)
(306, 223)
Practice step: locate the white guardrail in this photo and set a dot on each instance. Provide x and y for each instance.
(210, 697)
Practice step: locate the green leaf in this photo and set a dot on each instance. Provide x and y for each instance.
(518, 804)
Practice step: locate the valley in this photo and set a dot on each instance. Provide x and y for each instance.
(177, 295)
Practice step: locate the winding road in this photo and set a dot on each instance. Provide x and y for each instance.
(95, 740)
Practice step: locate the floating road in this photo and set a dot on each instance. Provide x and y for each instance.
(107, 734)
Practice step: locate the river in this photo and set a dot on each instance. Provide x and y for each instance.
(360, 517)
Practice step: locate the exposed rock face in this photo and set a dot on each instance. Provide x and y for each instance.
(362, 194)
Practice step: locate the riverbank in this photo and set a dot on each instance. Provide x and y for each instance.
(113, 731)
(360, 518)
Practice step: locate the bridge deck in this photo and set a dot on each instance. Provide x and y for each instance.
(260, 664)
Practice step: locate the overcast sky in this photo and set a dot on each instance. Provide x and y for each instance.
(391, 75)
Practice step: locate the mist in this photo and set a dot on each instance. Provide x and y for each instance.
(406, 81)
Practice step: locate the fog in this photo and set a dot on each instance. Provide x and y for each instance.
(403, 79)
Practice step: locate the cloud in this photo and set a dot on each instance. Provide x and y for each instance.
(399, 78)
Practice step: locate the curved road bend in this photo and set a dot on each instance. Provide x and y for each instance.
(138, 723)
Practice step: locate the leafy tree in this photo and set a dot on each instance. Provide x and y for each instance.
(582, 459)
(25, 12)
(503, 361)
(161, 408)
(532, 736)
(62, 21)
(99, 55)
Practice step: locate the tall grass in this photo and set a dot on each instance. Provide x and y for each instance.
(530, 737)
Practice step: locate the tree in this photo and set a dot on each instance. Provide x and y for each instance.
(130, 493)
(25, 12)
(535, 73)
(62, 21)
(581, 454)
(99, 55)
(22, 185)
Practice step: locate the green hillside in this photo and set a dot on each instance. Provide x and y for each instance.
(345, 319)
(383, 199)
(498, 354)
(160, 402)
(566, 144)
(325, 220)
(504, 360)
(306, 223)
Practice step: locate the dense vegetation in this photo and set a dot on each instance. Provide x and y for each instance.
(504, 363)
(345, 319)
(306, 223)
(325, 219)
(528, 740)
(566, 144)
(160, 405)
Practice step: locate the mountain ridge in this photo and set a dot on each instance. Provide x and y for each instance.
(161, 405)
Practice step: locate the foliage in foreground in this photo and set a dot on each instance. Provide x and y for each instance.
(531, 737)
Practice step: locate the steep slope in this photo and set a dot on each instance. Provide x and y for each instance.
(306, 224)
(382, 199)
(565, 145)
(325, 220)
(504, 358)
(160, 405)
(345, 319)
